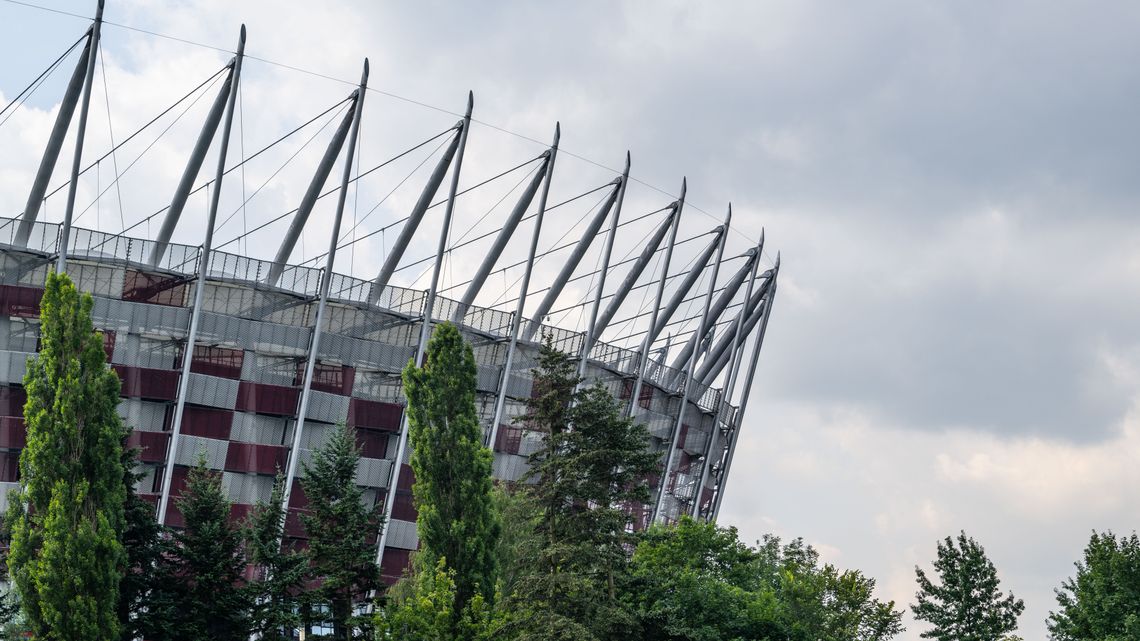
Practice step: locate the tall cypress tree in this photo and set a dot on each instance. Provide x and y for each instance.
(66, 558)
(456, 521)
(340, 527)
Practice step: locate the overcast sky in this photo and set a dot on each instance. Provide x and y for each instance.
(953, 188)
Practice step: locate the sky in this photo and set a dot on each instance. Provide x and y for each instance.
(951, 187)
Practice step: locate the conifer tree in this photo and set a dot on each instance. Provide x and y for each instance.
(339, 525)
(592, 465)
(66, 558)
(201, 595)
(279, 571)
(143, 546)
(453, 488)
(968, 604)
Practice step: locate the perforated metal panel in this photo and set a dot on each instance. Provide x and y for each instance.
(189, 448)
(138, 351)
(5, 488)
(329, 408)
(373, 472)
(509, 467)
(13, 365)
(212, 391)
(260, 429)
(144, 416)
(140, 318)
(247, 488)
(402, 534)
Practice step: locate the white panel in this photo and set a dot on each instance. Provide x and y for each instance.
(401, 534)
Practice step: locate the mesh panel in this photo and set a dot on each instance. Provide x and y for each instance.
(402, 534)
(190, 447)
(212, 391)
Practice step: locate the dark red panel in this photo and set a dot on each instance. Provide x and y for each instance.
(334, 379)
(394, 564)
(151, 445)
(251, 457)
(683, 435)
(217, 361)
(12, 401)
(16, 300)
(239, 512)
(372, 444)
(13, 433)
(109, 343)
(407, 477)
(508, 439)
(157, 289)
(148, 383)
(297, 498)
(293, 525)
(382, 416)
(404, 507)
(207, 421)
(267, 399)
(9, 466)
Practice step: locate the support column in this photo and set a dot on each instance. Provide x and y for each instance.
(417, 215)
(516, 319)
(737, 337)
(193, 165)
(630, 279)
(326, 280)
(425, 329)
(719, 496)
(571, 264)
(647, 341)
(701, 328)
(310, 199)
(714, 313)
(588, 340)
(496, 250)
(55, 141)
(200, 286)
(718, 357)
(703, 259)
(80, 134)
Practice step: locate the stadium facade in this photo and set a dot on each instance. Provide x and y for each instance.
(252, 362)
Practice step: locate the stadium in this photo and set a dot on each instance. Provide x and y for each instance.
(252, 359)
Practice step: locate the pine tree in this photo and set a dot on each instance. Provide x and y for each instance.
(592, 465)
(201, 593)
(279, 571)
(453, 488)
(340, 529)
(968, 604)
(66, 558)
(142, 544)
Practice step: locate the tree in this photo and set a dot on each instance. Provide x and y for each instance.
(453, 489)
(422, 608)
(279, 571)
(968, 604)
(1103, 602)
(201, 595)
(698, 581)
(143, 547)
(340, 528)
(66, 558)
(592, 465)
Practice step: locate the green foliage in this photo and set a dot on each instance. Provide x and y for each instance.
(453, 484)
(422, 608)
(593, 464)
(698, 581)
(66, 559)
(968, 604)
(1103, 602)
(199, 579)
(278, 570)
(143, 546)
(339, 526)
